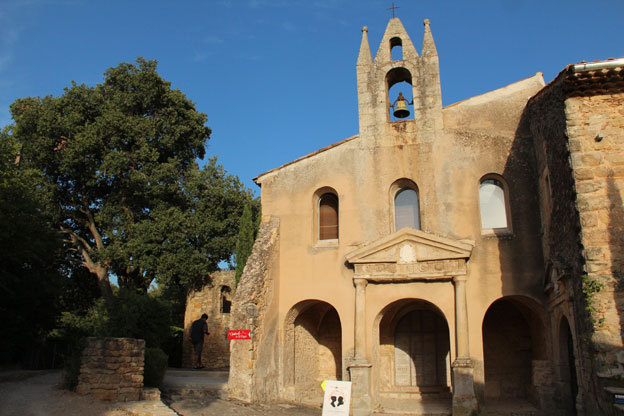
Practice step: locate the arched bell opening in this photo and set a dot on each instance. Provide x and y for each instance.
(566, 368)
(396, 49)
(313, 350)
(400, 94)
(515, 352)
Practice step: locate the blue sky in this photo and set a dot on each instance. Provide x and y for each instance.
(277, 77)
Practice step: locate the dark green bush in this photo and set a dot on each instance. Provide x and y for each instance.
(71, 367)
(155, 367)
(132, 315)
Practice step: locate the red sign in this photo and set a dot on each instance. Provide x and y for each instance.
(239, 334)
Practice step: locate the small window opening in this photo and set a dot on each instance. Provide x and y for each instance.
(492, 204)
(396, 49)
(328, 217)
(226, 302)
(406, 210)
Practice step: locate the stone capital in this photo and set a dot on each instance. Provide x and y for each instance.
(360, 282)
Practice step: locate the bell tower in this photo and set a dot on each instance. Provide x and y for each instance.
(415, 113)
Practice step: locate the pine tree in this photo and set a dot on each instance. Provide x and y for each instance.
(245, 239)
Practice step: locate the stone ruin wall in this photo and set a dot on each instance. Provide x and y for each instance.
(112, 369)
(254, 370)
(210, 300)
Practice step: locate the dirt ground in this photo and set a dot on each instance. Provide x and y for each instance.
(38, 393)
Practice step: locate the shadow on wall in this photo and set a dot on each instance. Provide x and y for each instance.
(516, 342)
(607, 342)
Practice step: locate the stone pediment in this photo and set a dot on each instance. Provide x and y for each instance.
(411, 254)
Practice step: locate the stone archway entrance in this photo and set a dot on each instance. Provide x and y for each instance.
(403, 257)
(313, 350)
(515, 353)
(414, 358)
(422, 351)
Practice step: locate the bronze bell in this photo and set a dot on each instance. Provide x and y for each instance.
(400, 109)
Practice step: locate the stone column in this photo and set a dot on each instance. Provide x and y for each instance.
(360, 317)
(461, 317)
(464, 400)
(360, 368)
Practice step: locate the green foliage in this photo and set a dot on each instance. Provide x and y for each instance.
(116, 156)
(30, 275)
(132, 314)
(155, 367)
(246, 237)
(71, 368)
(173, 346)
(591, 287)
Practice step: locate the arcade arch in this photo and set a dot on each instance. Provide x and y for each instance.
(313, 349)
(514, 348)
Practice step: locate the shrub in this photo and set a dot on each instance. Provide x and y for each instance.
(71, 367)
(155, 367)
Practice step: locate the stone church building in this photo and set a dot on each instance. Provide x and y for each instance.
(445, 258)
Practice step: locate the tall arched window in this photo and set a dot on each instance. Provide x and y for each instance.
(226, 302)
(493, 204)
(328, 217)
(406, 209)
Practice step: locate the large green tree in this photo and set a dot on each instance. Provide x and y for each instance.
(131, 199)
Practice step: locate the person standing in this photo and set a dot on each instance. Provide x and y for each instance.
(199, 328)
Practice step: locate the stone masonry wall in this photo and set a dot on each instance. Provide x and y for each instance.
(595, 127)
(561, 243)
(210, 300)
(112, 369)
(254, 375)
(579, 143)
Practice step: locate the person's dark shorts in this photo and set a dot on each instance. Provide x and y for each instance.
(198, 347)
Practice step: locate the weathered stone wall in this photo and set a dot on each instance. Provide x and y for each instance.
(579, 146)
(112, 369)
(254, 374)
(210, 300)
(595, 127)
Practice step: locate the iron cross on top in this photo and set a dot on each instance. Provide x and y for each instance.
(393, 8)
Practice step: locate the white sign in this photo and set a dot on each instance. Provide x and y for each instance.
(337, 398)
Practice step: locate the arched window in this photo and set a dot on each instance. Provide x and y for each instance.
(226, 303)
(493, 204)
(406, 209)
(328, 217)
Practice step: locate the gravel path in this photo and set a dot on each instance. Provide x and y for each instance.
(38, 393)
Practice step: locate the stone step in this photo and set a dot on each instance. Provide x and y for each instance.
(189, 372)
(179, 384)
(438, 405)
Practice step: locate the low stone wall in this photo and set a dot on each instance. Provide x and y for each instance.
(112, 369)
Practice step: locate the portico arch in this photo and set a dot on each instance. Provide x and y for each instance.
(413, 355)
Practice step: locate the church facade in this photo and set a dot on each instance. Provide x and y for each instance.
(414, 259)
